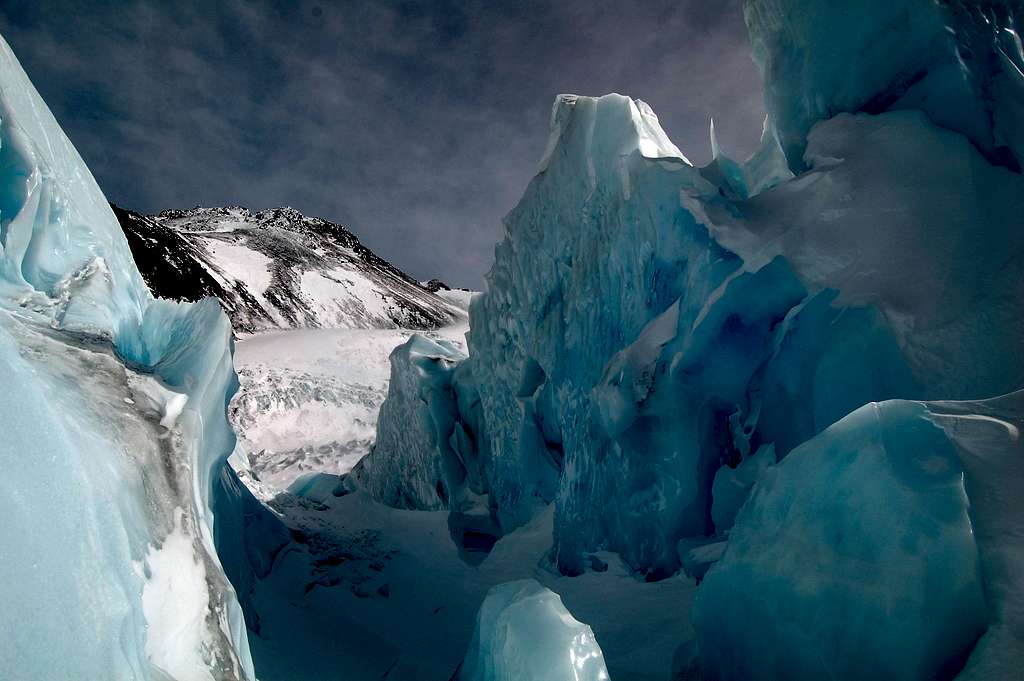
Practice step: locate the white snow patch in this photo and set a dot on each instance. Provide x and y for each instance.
(345, 297)
(175, 601)
(241, 264)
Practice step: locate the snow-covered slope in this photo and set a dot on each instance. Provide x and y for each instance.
(309, 399)
(277, 269)
(329, 311)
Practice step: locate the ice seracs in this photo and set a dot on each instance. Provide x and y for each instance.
(621, 355)
(115, 435)
(657, 342)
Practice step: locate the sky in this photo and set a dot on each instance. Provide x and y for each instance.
(417, 125)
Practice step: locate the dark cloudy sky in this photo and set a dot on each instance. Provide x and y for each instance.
(416, 124)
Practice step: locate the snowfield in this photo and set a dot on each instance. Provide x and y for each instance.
(367, 592)
(309, 398)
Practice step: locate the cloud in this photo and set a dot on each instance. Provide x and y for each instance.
(415, 124)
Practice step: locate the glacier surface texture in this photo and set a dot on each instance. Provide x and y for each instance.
(659, 341)
(797, 378)
(115, 435)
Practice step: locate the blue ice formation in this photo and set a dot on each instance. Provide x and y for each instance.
(959, 62)
(524, 633)
(648, 324)
(658, 340)
(428, 454)
(855, 558)
(115, 435)
(420, 464)
(621, 355)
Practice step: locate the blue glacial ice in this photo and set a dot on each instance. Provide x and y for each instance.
(115, 435)
(648, 323)
(428, 455)
(854, 558)
(524, 633)
(958, 62)
(420, 464)
(621, 355)
(658, 341)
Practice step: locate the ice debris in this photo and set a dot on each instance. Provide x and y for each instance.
(524, 633)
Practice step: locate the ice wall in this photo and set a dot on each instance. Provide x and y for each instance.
(648, 323)
(649, 326)
(420, 462)
(429, 453)
(621, 344)
(959, 62)
(115, 432)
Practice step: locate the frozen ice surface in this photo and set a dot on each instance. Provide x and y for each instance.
(732, 485)
(115, 433)
(55, 260)
(987, 436)
(958, 62)
(879, 549)
(524, 633)
(903, 216)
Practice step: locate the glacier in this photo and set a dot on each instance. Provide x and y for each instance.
(115, 435)
(795, 378)
(675, 360)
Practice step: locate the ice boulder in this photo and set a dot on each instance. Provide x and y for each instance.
(524, 633)
(855, 557)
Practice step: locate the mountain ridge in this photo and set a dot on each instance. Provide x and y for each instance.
(277, 269)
